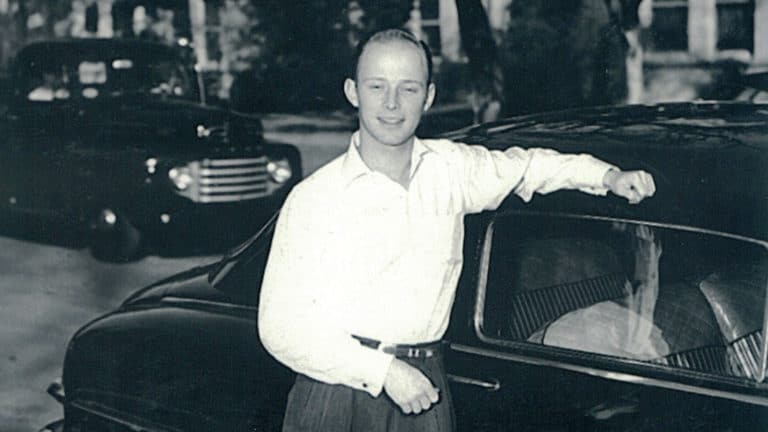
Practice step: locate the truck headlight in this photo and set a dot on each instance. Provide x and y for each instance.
(180, 177)
(279, 170)
(151, 165)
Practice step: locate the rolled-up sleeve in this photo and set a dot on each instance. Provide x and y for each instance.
(294, 323)
(490, 175)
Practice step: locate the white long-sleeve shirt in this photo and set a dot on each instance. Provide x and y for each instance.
(355, 253)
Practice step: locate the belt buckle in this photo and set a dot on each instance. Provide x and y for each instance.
(413, 352)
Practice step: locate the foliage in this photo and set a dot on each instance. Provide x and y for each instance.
(562, 53)
(307, 53)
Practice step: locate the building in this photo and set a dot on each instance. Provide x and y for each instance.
(685, 49)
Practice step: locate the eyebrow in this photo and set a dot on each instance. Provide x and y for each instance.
(405, 81)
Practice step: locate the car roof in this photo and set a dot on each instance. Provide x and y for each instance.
(709, 160)
(97, 48)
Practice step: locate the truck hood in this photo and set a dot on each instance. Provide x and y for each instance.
(137, 119)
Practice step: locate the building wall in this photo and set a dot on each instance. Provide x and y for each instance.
(704, 70)
(760, 57)
(694, 70)
(666, 74)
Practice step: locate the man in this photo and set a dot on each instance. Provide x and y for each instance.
(367, 251)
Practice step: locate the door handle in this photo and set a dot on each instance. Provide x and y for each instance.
(491, 385)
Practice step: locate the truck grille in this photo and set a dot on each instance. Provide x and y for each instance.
(228, 180)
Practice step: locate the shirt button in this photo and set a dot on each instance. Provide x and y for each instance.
(365, 385)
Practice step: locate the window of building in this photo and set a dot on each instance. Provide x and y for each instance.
(669, 30)
(430, 23)
(735, 25)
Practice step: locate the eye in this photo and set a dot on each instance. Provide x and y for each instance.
(375, 86)
(410, 89)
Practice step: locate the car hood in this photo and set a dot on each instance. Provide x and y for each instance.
(192, 288)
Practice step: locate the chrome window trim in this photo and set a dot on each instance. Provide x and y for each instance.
(764, 350)
(479, 319)
(763, 243)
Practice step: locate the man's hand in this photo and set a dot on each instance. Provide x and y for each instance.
(409, 388)
(632, 185)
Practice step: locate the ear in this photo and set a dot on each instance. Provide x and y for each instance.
(430, 96)
(350, 91)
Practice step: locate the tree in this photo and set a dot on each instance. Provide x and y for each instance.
(307, 52)
(566, 53)
(485, 73)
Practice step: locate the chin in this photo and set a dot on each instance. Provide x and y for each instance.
(394, 143)
(394, 139)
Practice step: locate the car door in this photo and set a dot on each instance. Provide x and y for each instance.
(581, 322)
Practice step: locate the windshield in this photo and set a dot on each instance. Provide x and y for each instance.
(103, 77)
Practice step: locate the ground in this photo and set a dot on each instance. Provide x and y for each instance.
(48, 292)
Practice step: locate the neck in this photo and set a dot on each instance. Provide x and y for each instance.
(392, 161)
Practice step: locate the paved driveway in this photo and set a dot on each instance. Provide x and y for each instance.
(46, 294)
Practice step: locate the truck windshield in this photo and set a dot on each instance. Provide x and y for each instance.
(92, 77)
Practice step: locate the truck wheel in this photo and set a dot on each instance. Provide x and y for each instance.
(121, 243)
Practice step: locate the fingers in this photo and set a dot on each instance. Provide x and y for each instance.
(644, 184)
(635, 186)
(433, 394)
(649, 183)
(409, 388)
(419, 404)
(405, 408)
(643, 232)
(423, 401)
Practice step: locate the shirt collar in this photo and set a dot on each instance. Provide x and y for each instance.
(354, 167)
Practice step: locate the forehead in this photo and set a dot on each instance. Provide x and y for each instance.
(395, 59)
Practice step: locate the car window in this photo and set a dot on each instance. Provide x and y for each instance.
(104, 77)
(657, 294)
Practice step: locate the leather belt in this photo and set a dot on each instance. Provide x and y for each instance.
(421, 350)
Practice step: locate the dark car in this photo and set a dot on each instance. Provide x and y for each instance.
(573, 312)
(753, 87)
(113, 137)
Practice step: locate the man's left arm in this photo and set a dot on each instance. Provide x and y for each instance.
(490, 175)
(548, 170)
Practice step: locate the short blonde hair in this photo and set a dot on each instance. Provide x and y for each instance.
(389, 35)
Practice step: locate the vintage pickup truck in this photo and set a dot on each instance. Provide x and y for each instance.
(112, 140)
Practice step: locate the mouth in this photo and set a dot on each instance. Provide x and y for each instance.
(391, 121)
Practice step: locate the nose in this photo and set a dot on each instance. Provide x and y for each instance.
(391, 100)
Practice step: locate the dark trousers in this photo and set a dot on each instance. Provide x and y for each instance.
(318, 407)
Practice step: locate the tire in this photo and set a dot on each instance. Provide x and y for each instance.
(123, 243)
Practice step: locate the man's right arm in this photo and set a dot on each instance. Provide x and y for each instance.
(296, 324)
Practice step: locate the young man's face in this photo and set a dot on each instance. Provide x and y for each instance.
(391, 91)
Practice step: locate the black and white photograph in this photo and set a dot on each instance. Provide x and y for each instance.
(383, 215)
